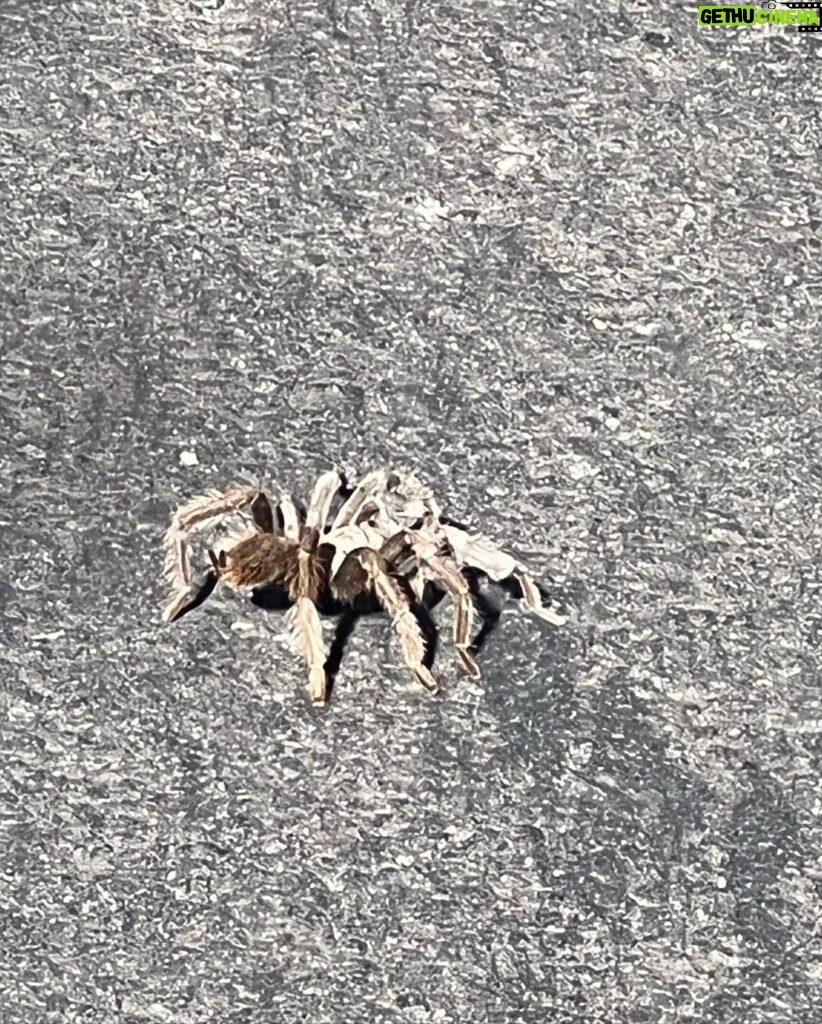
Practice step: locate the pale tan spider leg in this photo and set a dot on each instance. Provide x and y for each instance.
(482, 554)
(446, 572)
(410, 500)
(179, 599)
(533, 600)
(371, 484)
(188, 596)
(196, 512)
(395, 601)
(307, 634)
(319, 506)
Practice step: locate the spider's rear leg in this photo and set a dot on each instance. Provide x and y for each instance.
(307, 632)
(290, 517)
(364, 569)
(262, 513)
(498, 565)
(261, 559)
(447, 573)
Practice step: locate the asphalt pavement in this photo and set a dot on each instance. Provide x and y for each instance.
(562, 261)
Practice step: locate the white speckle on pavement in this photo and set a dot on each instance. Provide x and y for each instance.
(189, 458)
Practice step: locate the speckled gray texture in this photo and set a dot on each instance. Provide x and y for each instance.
(574, 279)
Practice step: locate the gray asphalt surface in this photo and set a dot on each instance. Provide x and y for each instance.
(569, 270)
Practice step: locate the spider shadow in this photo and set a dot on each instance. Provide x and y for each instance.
(488, 597)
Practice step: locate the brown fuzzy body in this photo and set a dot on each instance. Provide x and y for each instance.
(265, 558)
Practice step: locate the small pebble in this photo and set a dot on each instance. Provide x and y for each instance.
(579, 470)
(755, 344)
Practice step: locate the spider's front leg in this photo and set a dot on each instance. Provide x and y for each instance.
(480, 553)
(307, 631)
(193, 514)
(366, 569)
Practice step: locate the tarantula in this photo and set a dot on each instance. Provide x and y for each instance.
(386, 540)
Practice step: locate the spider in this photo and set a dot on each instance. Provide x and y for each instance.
(293, 549)
(387, 540)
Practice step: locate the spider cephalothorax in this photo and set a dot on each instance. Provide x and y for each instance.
(387, 540)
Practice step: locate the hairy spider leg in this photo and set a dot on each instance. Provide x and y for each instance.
(445, 571)
(353, 507)
(307, 635)
(482, 554)
(195, 513)
(304, 580)
(290, 517)
(365, 568)
(319, 505)
(441, 569)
